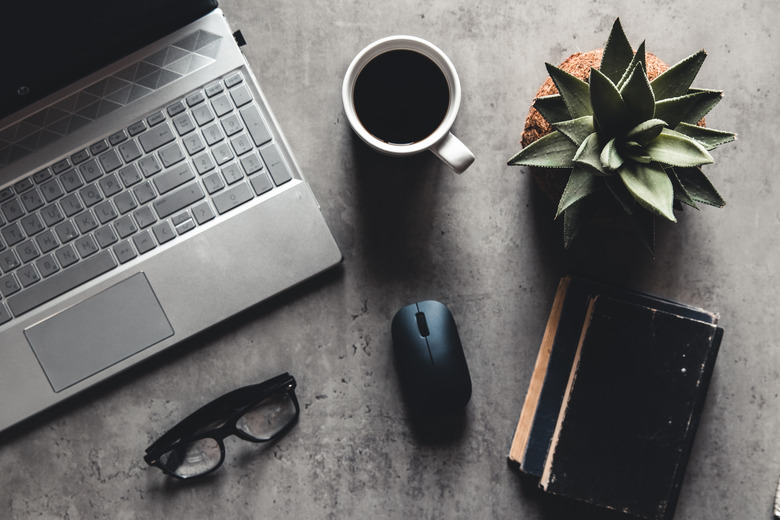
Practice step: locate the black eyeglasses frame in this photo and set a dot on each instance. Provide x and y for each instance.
(226, 410)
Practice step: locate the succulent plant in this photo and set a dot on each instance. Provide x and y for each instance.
(628, 139)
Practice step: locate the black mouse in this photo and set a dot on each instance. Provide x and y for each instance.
(429, 357)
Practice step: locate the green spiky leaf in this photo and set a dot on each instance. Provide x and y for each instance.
(650, 186)
(609, 109)
(638, 59)
(621, 193)
(704, 101)
(708, 137)
(675, 149)
(552, 108)
(576, 129)
(610, 156)
(646, 131)
(580, 185)
(576, 217)
(689, 108)
(574, 91)
(553, 150)
(617, 53)
(677, 79)
(638, 96)
(699, 187)
(588, 156)
(634, 151)
(680, 193)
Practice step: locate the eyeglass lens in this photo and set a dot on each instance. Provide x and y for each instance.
(193, 458)
(268, 417)
(261, 422)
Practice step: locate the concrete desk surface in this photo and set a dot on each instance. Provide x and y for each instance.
(485, 244)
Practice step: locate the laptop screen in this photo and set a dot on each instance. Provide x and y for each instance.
(47, 44)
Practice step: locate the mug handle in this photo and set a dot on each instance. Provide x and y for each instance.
(453, 152)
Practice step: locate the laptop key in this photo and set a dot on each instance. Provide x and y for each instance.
(28, 275)
(47, 241)
(24, 185)
(47, 266)
(79, 157)
(71, 205)
(221, 105)
(178, 199)
(276, 167)
(71, 181)
(60, 283)
(12, 210)
(110, 162)
(234, 79)
(163, 232)
(86, 246)
(144, 192)
(156, 137)
(42, 176)
(202, 212)
(144, 216)
(66, 255)
(173, 178)
(99, 147)
(241, 95)
(136, 128)
(12, 234)
(64, 164)
(254, 123)
(124, 251)
(232, 198)
(9, 285)
(117, 137)
(105, 236)
(6, 194)
(155, 118)
(9, 261)
(52, 190)
(144, 241)
(171, 154)
(130, 151)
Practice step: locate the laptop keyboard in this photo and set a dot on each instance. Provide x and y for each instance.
(139, 188)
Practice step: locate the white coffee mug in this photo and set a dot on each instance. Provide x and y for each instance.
(440, 141)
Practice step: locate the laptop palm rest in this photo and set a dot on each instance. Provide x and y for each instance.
(99, 332)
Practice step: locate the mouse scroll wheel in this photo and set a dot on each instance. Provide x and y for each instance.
(422, 324)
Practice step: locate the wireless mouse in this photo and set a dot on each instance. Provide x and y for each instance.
(429, 357)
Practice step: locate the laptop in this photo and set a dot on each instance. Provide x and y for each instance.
(146, 191)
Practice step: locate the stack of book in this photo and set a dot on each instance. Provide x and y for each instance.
(615, 397)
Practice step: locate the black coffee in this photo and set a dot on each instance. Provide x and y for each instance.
(401, 97)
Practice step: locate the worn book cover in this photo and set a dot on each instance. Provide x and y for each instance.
(631, 408)
(554, 361)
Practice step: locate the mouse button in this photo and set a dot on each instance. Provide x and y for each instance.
(435, 312)
(407, 340)
(422, 324)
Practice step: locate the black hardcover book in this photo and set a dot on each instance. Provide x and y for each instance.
(553, 365)
(631, 407)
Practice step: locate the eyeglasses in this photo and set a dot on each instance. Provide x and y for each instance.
(257, 413)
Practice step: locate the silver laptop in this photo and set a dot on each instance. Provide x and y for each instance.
(146, 191)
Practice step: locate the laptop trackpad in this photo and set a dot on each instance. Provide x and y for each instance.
(99, 332)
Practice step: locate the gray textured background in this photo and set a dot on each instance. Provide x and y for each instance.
(484, 244)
